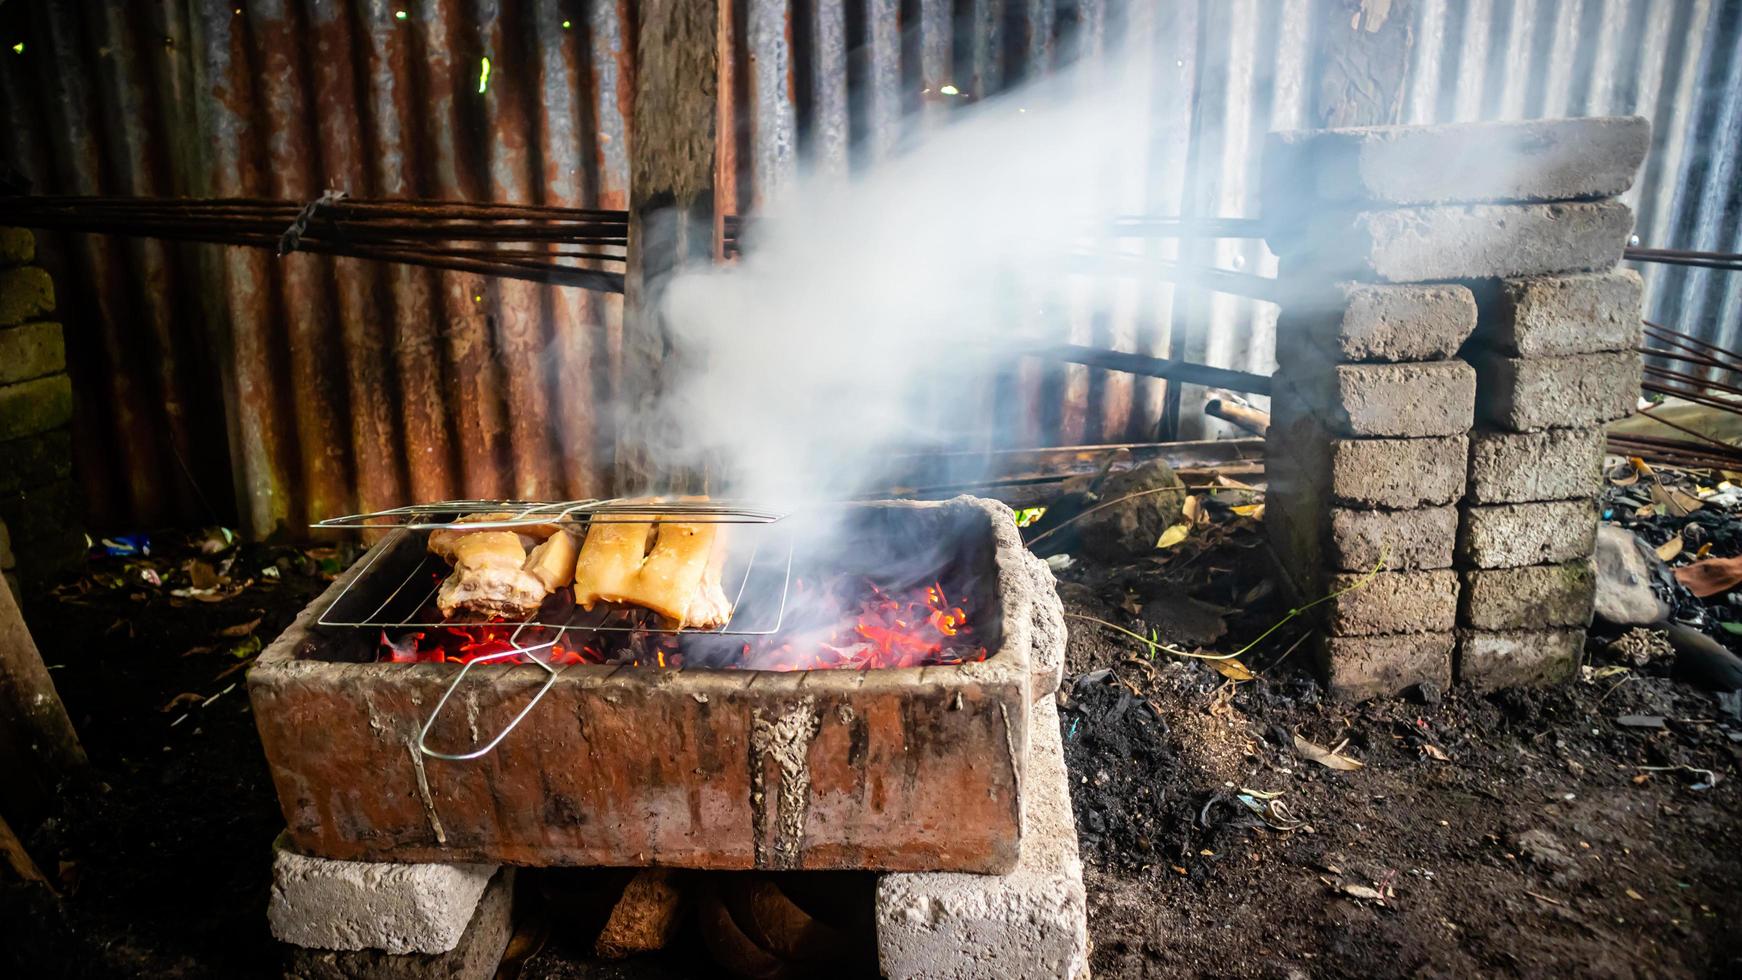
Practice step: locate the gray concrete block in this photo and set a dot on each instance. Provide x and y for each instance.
(1489, 661)
(1544, 316)
(1530, 597)
(1522, 394)
(34, 406)
(1535, 160)
(1511, 535)
(477, 955)
(34, 461)
(1548, 464)
(17, 246)
(397, 908)
(1368, 604)
(26, 293)
(1030, 923)
(1360, 322)
(1306, 463)
(1472, 241)
(31, 350)
(1409, 401)
(1356, 668)
(1395, 539)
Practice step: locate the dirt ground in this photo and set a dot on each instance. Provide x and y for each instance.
(1523, 834)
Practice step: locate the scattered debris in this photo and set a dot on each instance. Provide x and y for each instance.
(1329, 758)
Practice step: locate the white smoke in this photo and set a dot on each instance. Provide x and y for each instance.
(868, 314)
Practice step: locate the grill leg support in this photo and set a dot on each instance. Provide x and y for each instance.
(365, 919)
(1030, 923)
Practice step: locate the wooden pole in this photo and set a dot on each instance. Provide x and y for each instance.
(28, 697)
(1363, 60)
(672, 169)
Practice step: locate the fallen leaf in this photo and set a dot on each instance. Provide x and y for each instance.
(1710, 576)
(1362, 892)
(185, 697)
(1676, 503)
(1324, 757)
(1705, 549)
(1435, 752)
(1131, 604)
(1640, 465)
(1731, 626)
(1193, 510)
(242, 629)
(1232, 669)
(1230, 482)
(1635, 895)
(1642, 779)
(201, 574)
(1669, 549)
(1248, 510)
(1173, 535)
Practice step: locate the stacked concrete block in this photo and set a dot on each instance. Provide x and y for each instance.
(1453, 337)
(38, 502)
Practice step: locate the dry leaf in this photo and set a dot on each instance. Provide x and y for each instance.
(1635, 895)
(1173, 535)
(1669, 549)
(1249, 510)
(1324, 757)
(1640, 465)
(1710, 576)
(241, 629)
(1435, 752)
(1649, 510)
(1232, 669)
(1231, 483)
(1676, 503)
(1131, 604)
(1705, 549)
(1362, 892)
(1192, 511)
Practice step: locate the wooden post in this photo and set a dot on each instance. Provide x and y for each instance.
(34, 727)
(1363, 62)
(672, 170)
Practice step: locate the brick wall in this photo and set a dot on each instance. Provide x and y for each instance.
(39, 503)
(1454, 336)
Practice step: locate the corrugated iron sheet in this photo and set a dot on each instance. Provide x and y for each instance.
(223, 384)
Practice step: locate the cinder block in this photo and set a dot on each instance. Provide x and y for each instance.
(34, 406)
(31, 350)
(1359, 667)
(1391, 602)
(17, 246)
(37, 513)
(1548, 464)
(1489, 661)
(26, 293)
(1395, 539)
(397, 908)
(1536, 160)
(1410, 400)
(476, 956)
(1471, 241)
(1542, 533)
(35, 461)
(1303, 463)
(1308, 541)
(1531, 597)
(1545, 316)
(1359, 322)
(1522, 394)
(1030, 923)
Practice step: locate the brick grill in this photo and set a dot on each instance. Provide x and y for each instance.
(903, 769)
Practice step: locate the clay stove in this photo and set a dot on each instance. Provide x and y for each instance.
(897, 769)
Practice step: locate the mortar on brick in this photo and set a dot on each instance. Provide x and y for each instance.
(1491, 660)
(1546, 316)
(1529, 597)
(1523, 394)
(1548, 464)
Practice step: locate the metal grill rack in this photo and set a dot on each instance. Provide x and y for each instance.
(409, 595)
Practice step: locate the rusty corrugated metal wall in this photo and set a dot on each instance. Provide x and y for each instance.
(225, 384)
